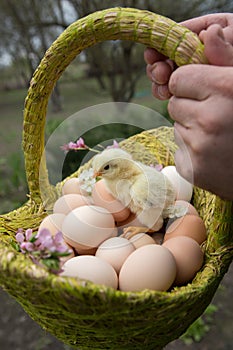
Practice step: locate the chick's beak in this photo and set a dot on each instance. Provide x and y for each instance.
(97, 174)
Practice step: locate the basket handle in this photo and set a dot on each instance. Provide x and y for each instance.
(168, 37)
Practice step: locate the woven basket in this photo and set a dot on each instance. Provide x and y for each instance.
(79, 313)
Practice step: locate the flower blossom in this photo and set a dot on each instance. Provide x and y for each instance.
(114, 145)
(87, 180)
(158, 167)
(43, 246)
(80, 145)
(74, 146)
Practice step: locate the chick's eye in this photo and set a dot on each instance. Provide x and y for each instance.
(106, 167)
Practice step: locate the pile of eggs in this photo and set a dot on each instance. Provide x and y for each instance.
(92, 225)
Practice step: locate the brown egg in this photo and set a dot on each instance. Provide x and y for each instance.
(103, 198)
(53, 223)
(190, 208)
(65, 204)
(149, 267)
(132, 220)
(80, 249)
(88, 227)
(91, 268)
(188, 256)
(141, 239)
(157, 237)
(115, 250)
(72, 186)
(188, 225)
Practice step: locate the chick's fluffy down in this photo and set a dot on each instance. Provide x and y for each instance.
(146, 191)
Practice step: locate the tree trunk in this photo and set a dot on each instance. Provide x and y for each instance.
(56, 100)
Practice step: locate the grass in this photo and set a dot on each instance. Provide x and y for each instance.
(76, 95)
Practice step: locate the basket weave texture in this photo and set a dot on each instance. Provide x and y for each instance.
(79, 313)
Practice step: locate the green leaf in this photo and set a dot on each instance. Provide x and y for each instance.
(33, 238)
(52, 264)
(15, 245)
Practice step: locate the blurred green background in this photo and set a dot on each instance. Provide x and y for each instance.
(110, 71)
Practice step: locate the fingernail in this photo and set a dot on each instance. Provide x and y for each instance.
(156, 80)
(163, 92)
(153, 76)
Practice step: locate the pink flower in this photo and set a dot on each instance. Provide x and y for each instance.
(28, 234)
(43, 247)
(158, 167)
(26, 247)
(65, 147)
(60, 244)
(44, 240)
(74, 146)
(80, 143)
(19, 237)
(114, 145)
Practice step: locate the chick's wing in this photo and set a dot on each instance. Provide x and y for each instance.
(149, 189)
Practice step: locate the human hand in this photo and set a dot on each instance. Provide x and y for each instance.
(215, 30)
(202, 107)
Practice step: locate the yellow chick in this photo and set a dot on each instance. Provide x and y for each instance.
(141, 188)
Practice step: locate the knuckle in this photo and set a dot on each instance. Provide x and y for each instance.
(209, 124)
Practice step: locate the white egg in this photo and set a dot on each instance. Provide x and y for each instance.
(115, 250)
(88, 226)
(184, 189)
(91, 268)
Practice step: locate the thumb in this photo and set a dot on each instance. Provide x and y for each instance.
(218, 51)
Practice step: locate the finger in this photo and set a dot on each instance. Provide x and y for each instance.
(184, 111)
(228, 34)
(192, 81)
(149, 69)
(183, 155)
(161, 72)
(181, 136)
(160, 91)
(191, 165)
(203, 22)
(151, 56)
(183, 165)
(217, 50)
